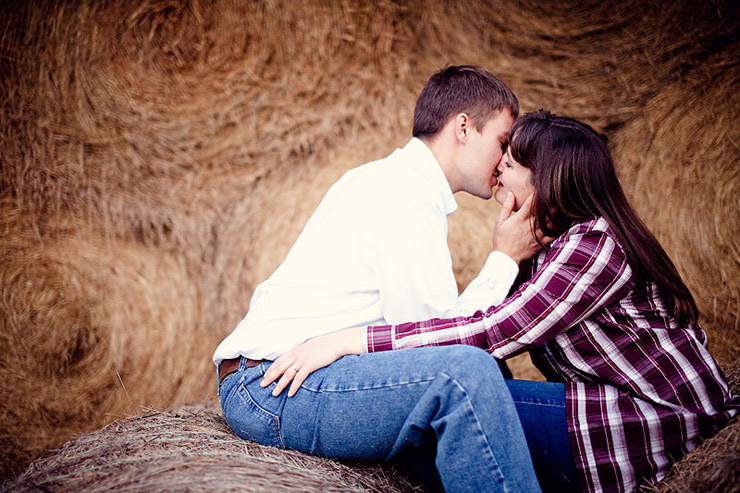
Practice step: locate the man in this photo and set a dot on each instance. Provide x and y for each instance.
(375, 252)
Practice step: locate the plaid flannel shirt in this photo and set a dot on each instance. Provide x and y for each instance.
(641, 391)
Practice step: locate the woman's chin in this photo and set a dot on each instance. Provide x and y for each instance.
(499, 195)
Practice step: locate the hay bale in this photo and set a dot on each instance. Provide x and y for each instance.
(680, 163)
(88, 327)
(217, 87)
(711, 468)
(191, 448)
(196, 138)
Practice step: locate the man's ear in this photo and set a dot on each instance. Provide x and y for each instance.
(462, 127)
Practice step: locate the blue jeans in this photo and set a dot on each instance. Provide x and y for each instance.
(375, 406)
(541, 410)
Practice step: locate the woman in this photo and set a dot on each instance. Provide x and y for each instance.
(603, 312)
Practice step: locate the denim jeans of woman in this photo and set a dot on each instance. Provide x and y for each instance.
(541, 410)
(375, 406)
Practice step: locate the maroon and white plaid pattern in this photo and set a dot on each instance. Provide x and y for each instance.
(641, 391)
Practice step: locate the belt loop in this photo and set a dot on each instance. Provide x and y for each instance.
(218, 379)
(243, 364)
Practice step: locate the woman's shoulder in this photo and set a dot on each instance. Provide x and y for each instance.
(593, 234)
(596, 225)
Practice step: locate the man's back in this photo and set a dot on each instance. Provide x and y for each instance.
(374, 251)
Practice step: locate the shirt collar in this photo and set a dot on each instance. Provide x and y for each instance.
(423, 159)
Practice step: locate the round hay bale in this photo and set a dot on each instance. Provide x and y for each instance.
(595, 61)
(191, 448)
(188, 89)
(680, 163)
(89, 328)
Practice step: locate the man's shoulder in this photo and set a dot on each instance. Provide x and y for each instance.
(392, 178)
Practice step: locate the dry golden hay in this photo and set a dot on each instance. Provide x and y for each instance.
(680, 163)
(711, 468)
(160, 157)
(100, 96)
(124, 111)
(191, 448)
(88, 329)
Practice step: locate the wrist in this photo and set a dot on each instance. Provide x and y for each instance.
(352, 340)
(517, 259)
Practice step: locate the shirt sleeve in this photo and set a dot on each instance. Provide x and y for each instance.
(581, 273)
(490, 287)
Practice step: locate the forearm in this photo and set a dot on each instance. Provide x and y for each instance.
(434, 332)
(578, 277)
(346, 341)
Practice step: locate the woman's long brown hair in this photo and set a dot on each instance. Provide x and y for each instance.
(575, 180)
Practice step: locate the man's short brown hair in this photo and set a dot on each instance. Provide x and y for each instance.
(461, 89)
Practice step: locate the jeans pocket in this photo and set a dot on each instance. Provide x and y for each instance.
(248, 419)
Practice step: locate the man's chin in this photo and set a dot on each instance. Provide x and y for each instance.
(481, 194)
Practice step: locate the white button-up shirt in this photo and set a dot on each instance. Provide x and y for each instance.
(374, 252)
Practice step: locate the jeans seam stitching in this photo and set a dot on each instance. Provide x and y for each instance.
(229, 395)
(544, 404)
(375, 387)
(262, 411)
(480, 428)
